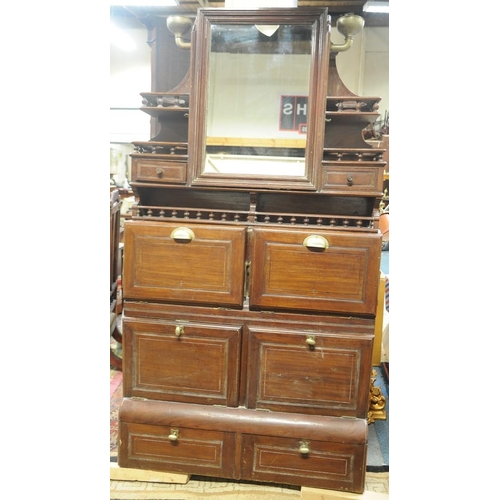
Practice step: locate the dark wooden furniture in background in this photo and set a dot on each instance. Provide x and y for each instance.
(250, 300)
(115, 272)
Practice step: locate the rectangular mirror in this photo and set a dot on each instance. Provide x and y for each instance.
(258, 97)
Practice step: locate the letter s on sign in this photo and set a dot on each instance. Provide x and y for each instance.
(288, 109)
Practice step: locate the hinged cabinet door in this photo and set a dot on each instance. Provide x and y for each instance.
(180, 263)
(181, 361)
(315, 270)
(309, 372)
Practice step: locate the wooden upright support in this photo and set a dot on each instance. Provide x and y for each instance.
(118, 473)
(318, 494)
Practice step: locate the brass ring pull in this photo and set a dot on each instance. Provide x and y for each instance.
(304, 448)
(316, 242)
(350, 180)
(174, 434)
(182, 234)
(159, 172)
(179, 330)
(310, 340)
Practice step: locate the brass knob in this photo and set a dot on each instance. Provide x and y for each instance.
(310, 340)
(315, 241)
(350, 180)
(174, 434)
(179, 330)
(159, 172)
(182, 234)
(304, 448)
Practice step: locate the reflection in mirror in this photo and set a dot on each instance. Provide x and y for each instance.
(257, 97)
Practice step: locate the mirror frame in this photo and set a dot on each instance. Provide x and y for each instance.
(319, 20)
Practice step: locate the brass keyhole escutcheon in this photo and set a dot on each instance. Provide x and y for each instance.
(174, 434)
(304, 447)
(310, 340)
(179, 330)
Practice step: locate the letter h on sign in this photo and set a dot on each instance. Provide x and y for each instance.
(293, 113)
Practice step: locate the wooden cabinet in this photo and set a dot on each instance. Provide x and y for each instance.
(251, 267)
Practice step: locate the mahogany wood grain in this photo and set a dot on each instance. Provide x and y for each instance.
(329, 377)
(209, 269)
(158, 170)
(205, 452)
(352, 179)
(338, 466)
(270, 445)
(199, 364)
(342, 278)
(193, 416)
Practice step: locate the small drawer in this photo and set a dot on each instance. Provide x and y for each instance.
(175, 448)
(352, 179)
(181, 361)
(314, 270)
(184, 263)
(330, 371)
(305, 462)
(172, 172)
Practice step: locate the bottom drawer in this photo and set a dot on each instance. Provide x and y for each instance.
(303, 462)
(177, 449)
(238, 443)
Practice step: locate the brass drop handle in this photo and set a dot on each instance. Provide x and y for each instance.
(179, 330)
(182, 234)
(174, 434)
(315, 241)
(310, 340)
(304, 448)
(350, 180)
(159, 172)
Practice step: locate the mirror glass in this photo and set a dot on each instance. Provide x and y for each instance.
(257, 98)
(257, 92)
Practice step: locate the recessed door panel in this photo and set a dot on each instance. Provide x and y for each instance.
(309, 372)
(182, 361)
(315, 270)
(305, 462)
(184, 263)
(175, 448)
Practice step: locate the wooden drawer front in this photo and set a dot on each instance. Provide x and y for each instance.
(209, 269)
(352, 179)
(181, 361)
(339, 466)
(288, 373)
(287, 275)
(172, 172)
(195, 451)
